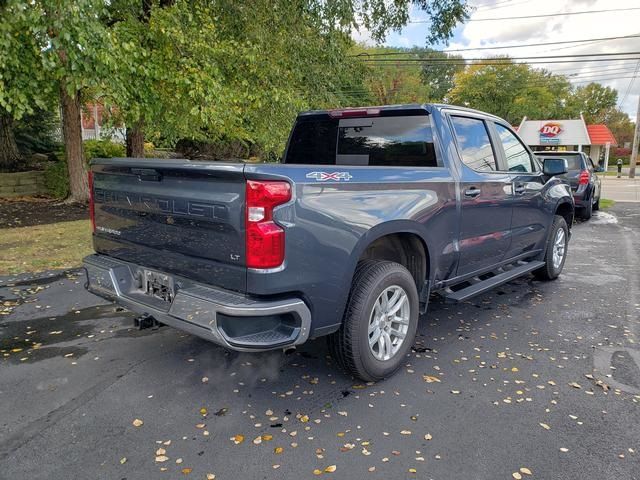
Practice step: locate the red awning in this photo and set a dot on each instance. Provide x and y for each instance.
(601, 135)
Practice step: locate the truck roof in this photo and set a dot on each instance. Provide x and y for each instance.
(390, 110)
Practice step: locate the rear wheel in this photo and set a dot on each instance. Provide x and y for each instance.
(587, 210)
(556, 251)
(380, 322)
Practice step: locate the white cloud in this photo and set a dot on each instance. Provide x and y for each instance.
(562, 28)
(551, 29)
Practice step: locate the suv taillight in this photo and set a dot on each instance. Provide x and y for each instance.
(92, 207)
(264, 238)
(583, 179)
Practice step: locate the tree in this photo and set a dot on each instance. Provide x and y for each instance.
(620, 125)
(594, 101)
(54, 48)
(10, 157)
(439, 75)
(510, 90)
(240, 71)
(195, 69)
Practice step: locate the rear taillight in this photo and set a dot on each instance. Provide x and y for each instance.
(583, 179)
(92, 208)
(264, 238)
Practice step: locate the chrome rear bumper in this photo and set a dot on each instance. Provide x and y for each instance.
(227, 318)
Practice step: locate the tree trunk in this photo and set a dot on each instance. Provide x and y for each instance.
(135, 140)
(72, 134)
(9, 155)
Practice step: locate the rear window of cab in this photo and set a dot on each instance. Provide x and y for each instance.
(400, 141)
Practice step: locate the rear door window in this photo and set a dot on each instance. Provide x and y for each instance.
(517, 156)
(475, 144)
(402, 141)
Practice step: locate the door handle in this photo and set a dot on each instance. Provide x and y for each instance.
(472, 192)
(519, 189)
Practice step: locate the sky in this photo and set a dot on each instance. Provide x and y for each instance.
(473, 34)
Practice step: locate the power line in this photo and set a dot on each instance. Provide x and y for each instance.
(631, 82)
(560, 14)
(530, 57)
(500, 47)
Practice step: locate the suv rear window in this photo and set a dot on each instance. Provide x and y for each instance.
(380, 141)
(574, 162)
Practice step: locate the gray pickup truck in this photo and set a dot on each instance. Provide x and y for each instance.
(370, 211)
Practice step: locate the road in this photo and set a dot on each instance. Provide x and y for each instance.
(621, 189)
(540, 378)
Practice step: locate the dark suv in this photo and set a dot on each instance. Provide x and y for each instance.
(581, 175)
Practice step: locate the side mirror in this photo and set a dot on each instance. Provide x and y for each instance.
(555, 166)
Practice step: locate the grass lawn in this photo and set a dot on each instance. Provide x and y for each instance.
(44, 247)
(606, 203)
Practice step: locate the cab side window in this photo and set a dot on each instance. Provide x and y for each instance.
(518, 158)
(475, 145)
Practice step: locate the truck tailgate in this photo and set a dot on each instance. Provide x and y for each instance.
(176, 216)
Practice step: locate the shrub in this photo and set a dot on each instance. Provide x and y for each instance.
(102, 149)
(56, 179)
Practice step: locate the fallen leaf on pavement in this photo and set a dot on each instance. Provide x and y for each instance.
(137, 422)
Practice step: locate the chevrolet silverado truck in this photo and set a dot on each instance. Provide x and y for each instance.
(370, 211)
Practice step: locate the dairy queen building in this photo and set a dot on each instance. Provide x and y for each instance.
(569, 135)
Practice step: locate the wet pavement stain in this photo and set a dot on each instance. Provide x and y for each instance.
(40, 338)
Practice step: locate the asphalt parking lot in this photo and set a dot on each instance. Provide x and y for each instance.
(534, 380)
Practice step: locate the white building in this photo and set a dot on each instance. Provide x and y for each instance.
(563, 135)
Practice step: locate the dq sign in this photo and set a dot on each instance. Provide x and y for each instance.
(549, 132)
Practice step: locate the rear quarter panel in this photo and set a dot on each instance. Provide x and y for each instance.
(330, 223)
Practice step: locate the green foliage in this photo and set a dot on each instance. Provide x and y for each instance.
(37, 132)
(46, 45)
(56, 179)
(102, 149)
(594, 101)
(240, 71)
(196, 69)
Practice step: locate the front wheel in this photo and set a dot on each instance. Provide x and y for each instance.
(380, 322)
(556, 251)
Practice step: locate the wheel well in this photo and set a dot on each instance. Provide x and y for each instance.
(407, 249)
(565, 210)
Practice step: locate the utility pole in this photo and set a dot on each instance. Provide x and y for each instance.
(634, 148)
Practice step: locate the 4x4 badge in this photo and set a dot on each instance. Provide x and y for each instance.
(324, 176)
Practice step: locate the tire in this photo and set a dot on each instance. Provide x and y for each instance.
(551, 270)
(350, 347)
(587, 210)
(596, 206)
